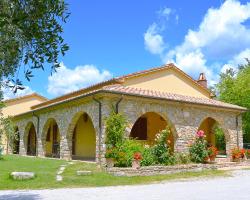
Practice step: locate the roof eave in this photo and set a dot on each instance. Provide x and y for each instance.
(241, 110)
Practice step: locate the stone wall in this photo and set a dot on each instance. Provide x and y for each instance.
(183, 119)
(66, 117)
(159, 170)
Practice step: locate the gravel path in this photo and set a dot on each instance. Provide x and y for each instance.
(229, 188)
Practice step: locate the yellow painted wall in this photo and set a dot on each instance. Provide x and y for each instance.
(207, 126)
(20, 106)
(155, 124)
(85, 139)
(17, 107)
(168, 80)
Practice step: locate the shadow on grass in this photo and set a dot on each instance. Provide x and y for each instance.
(20, 196)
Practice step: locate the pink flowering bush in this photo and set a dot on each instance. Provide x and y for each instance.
(198, 150)
(200, 134)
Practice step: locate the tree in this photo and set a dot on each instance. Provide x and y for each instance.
(234, 87)
(8, 130)
(30, 36)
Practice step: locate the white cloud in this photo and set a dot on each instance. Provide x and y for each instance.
(221, 36)
(237, 60)
(221, 33)
(165, 12)
(9, 94)
(153, 41)
(68, 80)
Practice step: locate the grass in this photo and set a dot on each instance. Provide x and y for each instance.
(45, 170)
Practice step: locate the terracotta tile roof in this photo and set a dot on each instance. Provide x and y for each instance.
(76, 93)
(125, 90)
(25, 97)
(170, 96)
(117, 80)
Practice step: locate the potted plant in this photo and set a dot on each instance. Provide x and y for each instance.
(136, 161)
(238, 154)
(110, 156)
(212, 153)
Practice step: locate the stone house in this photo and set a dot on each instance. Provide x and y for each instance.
(72, 126)
(17, 106)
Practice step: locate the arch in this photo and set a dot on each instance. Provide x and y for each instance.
(148, 125)
(51, 139)
(81, 137)
(16, 141)
(216, 134)
(30, 139)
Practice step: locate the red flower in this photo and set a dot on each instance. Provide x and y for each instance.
(137, 156)
(238, 153)
(213, 151)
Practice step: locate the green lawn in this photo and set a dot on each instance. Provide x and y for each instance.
(45, 170)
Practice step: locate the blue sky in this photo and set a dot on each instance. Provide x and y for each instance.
(111, 38)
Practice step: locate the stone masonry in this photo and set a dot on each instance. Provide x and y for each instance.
(183, 119)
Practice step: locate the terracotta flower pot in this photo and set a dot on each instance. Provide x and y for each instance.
(136, 164)
(110, 162)
(212, 158)
(236, 159)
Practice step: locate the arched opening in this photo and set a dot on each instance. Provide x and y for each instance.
(51, 139)
(83, 138)
(16, 142)
(215, 135)
(148, 125)
(31, 141)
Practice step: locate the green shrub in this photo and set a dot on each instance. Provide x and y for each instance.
(161, 149)
(148, 157)
(198, 150)
(182, 158)
(220, 139)
(126, 151)
(111, 153)
(115, 128)
(168, 158)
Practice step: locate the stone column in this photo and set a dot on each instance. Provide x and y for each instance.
(185, 136)
(22, 150)
(40, 150)
(65, 152)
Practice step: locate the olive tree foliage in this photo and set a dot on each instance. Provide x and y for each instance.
(9, 132)
(30, 37)
(234, 87)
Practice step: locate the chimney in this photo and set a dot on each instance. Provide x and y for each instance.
(202, 80)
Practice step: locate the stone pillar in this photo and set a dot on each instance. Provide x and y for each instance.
(65, 152)
(106, 109)
(185, 136)
(101, 149)
(22, 150)
(40, 150)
